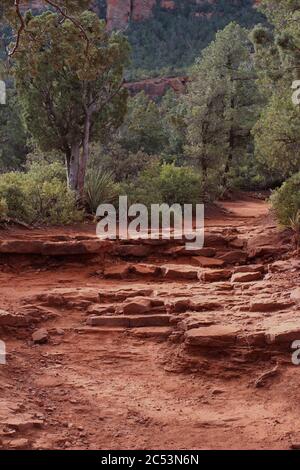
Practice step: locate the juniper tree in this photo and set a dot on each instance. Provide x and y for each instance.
(277, 53)
(70, 96)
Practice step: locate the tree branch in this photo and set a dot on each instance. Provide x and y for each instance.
(20, 30)
(73, 20)
(60, 10)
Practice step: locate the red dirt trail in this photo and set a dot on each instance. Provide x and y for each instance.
(158, 381)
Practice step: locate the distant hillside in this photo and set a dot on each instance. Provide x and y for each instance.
(167, 35)
(170, 39)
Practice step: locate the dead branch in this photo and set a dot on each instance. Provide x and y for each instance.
(260, 381)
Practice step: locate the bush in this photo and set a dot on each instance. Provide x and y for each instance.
(166, 184)
(286, 201)
(39, 196)
(180, 185)
(3, 209)
(99, 189)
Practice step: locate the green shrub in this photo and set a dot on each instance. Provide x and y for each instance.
(180, 185)
(39, 196)
(166, 184)
(12, 191)
(3, 209)
(286, 201)
(99, 189)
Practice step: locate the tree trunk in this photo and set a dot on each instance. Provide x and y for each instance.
(85, 155)
(73, 166)
(229, 158)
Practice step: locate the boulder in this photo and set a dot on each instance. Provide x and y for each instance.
(136, 306)
(40, 336)
(212, 336)
(247, 277)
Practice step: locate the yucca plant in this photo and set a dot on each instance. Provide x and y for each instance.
(295, 226)
(100, 188)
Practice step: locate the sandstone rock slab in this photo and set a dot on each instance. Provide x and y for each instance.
(212, 336)
(215, 275)
(247, 277)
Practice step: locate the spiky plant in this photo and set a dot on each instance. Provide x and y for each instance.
(99, 189)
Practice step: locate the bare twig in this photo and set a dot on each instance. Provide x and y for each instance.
(260, 381)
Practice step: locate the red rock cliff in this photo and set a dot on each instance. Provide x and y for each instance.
(120, 12)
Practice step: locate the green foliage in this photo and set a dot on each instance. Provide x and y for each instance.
(166, 184)
(277, 136)
(180, 185)
(39, 196)
(13, 137)
(168, 43)
(123, 164)
(142, 128)
(286, 201)
(70, 91)
(100, 188)
(222, 105)
(3, 209)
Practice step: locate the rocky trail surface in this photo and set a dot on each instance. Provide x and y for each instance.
(141, 344)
